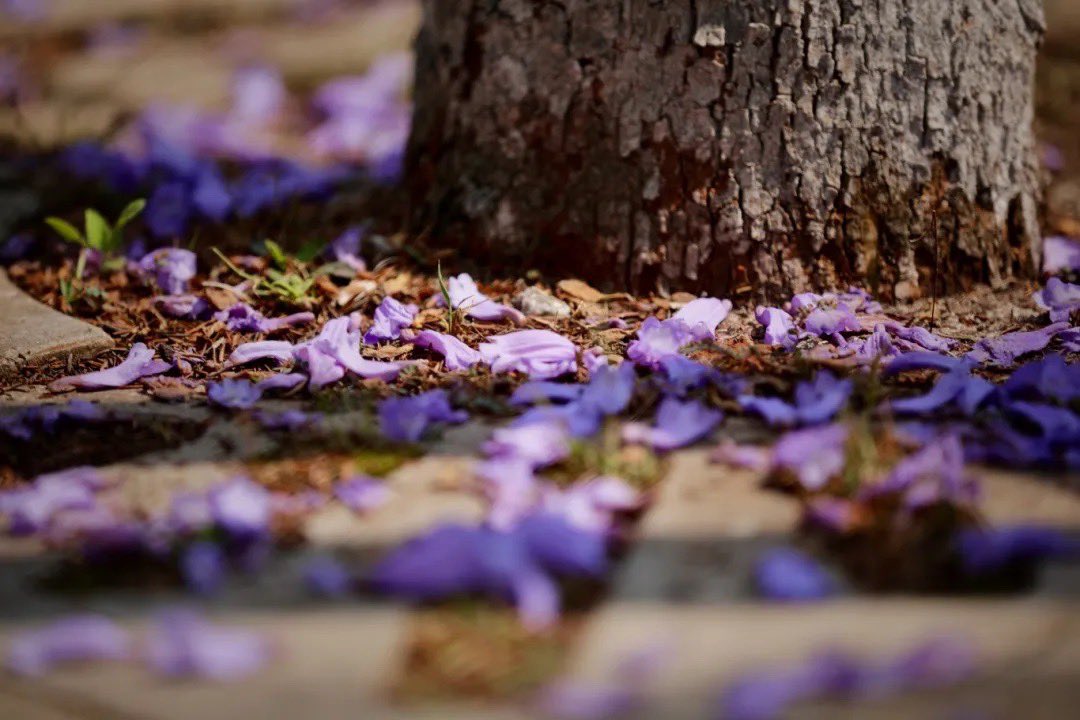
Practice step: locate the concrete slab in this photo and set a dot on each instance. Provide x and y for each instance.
(32, 334)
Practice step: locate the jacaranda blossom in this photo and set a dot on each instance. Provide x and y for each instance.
(540, 354)
(790, 575)
(466, 296)
(183, 645)
(234, 393)
(1060, 298)
(362, 493)
(72, 639)
(241, 317)
(456, 354)
(138, 364)
(390, 318)
(676, 425)
(813, 456)
(170, 268)
(404, 419)
(1006, 349)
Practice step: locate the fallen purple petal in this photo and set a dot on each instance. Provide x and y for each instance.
(790, 575)
(362, 493)
(456, 354)
(183, 645)
(540, 354)
(74, 639)
(234, 393)
(138, 364)
(677, 425)
(391, 317)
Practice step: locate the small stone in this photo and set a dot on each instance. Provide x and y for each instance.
(534, 301)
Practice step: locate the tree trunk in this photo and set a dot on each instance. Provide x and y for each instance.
(731, 146)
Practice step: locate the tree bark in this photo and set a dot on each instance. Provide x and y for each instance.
(731, 146)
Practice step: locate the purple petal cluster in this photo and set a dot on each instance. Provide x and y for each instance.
(456, 354)
(695, 322)
(73, 639)
(816, 402)
(769, 694)
(391, 317)
(789, 575)
(1007, 349)
(677, 424)
(518, 565)
(34, 508)
(405, 419)
(935, 474)
(540, 354)
(234, 393)
(138, 364)
(1060, 298)
(328, 356)
(187, 306)
(171, 269)
(345, 248)
(27, 422)
(184, 645)
(813, 456)
(362, 493)
(241, 317)
(466, 297)
(1061, 254)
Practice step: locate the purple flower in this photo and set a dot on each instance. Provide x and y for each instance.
(539, 444)
(1060, 298)
(921, 360)
(465, 296)
(183, 306)
(816, 402)
(568, 700)
(545, 391)
(813, 456)
(404, 419)
(168, 212)
(346, 248)
(676, 425)
(456, 354)
(958, 386)
(779, 327)
(241, 507)
(510, 486)
(279, 351)
(702, 316)
(76, 638)
(1070, 339)
(1061, 254)
(1049, 378)
(787, 574)
(139, 363)
(831, 322)
(281, 381)
(591, 505)
(934, 474)
(290, 420)
(747, 457)
(919, 336)
(327, 578)
(390, 318)
(1006, 349)
(339, 342)
(657, 340)
(610, 389)
(453, 559)
(241, 317)
(238, 394)
(984, 550)
(362, 493)
(876, 347)
(202, 566)
(172, 269)
(540, 354)
(683, 375)
(210, 195)
(182, 645)
(258, 95)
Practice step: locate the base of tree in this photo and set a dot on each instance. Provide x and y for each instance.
(738, 148)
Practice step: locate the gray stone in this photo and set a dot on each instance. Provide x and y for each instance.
(32, 334)
(534, 301)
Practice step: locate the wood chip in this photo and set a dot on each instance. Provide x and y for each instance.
(580, 290)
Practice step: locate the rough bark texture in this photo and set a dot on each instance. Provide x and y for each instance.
(731, 146)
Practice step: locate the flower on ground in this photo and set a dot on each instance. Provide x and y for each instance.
(139, 363)
(779, 327)
(540, 354)
(404, 419)
(235, 393)
(241, 317)
(515, 565)
(958, 386)
(1005, 350)
(934, 474)
(695, 322)
(362, 493)
(345, 248)
(816, 401)
(1060, 298)
(72, 639)
(813, 456)
(676, 425)
(787, 574)
(539, 444)
(456, 354)
(170, 268)
(466, 296)
(391, 317)
(1061, 254)
(181, 644)
(241, 507)
(185, 306)
(326, 577)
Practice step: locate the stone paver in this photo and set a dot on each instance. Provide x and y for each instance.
(31, 333)
(685, 588)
